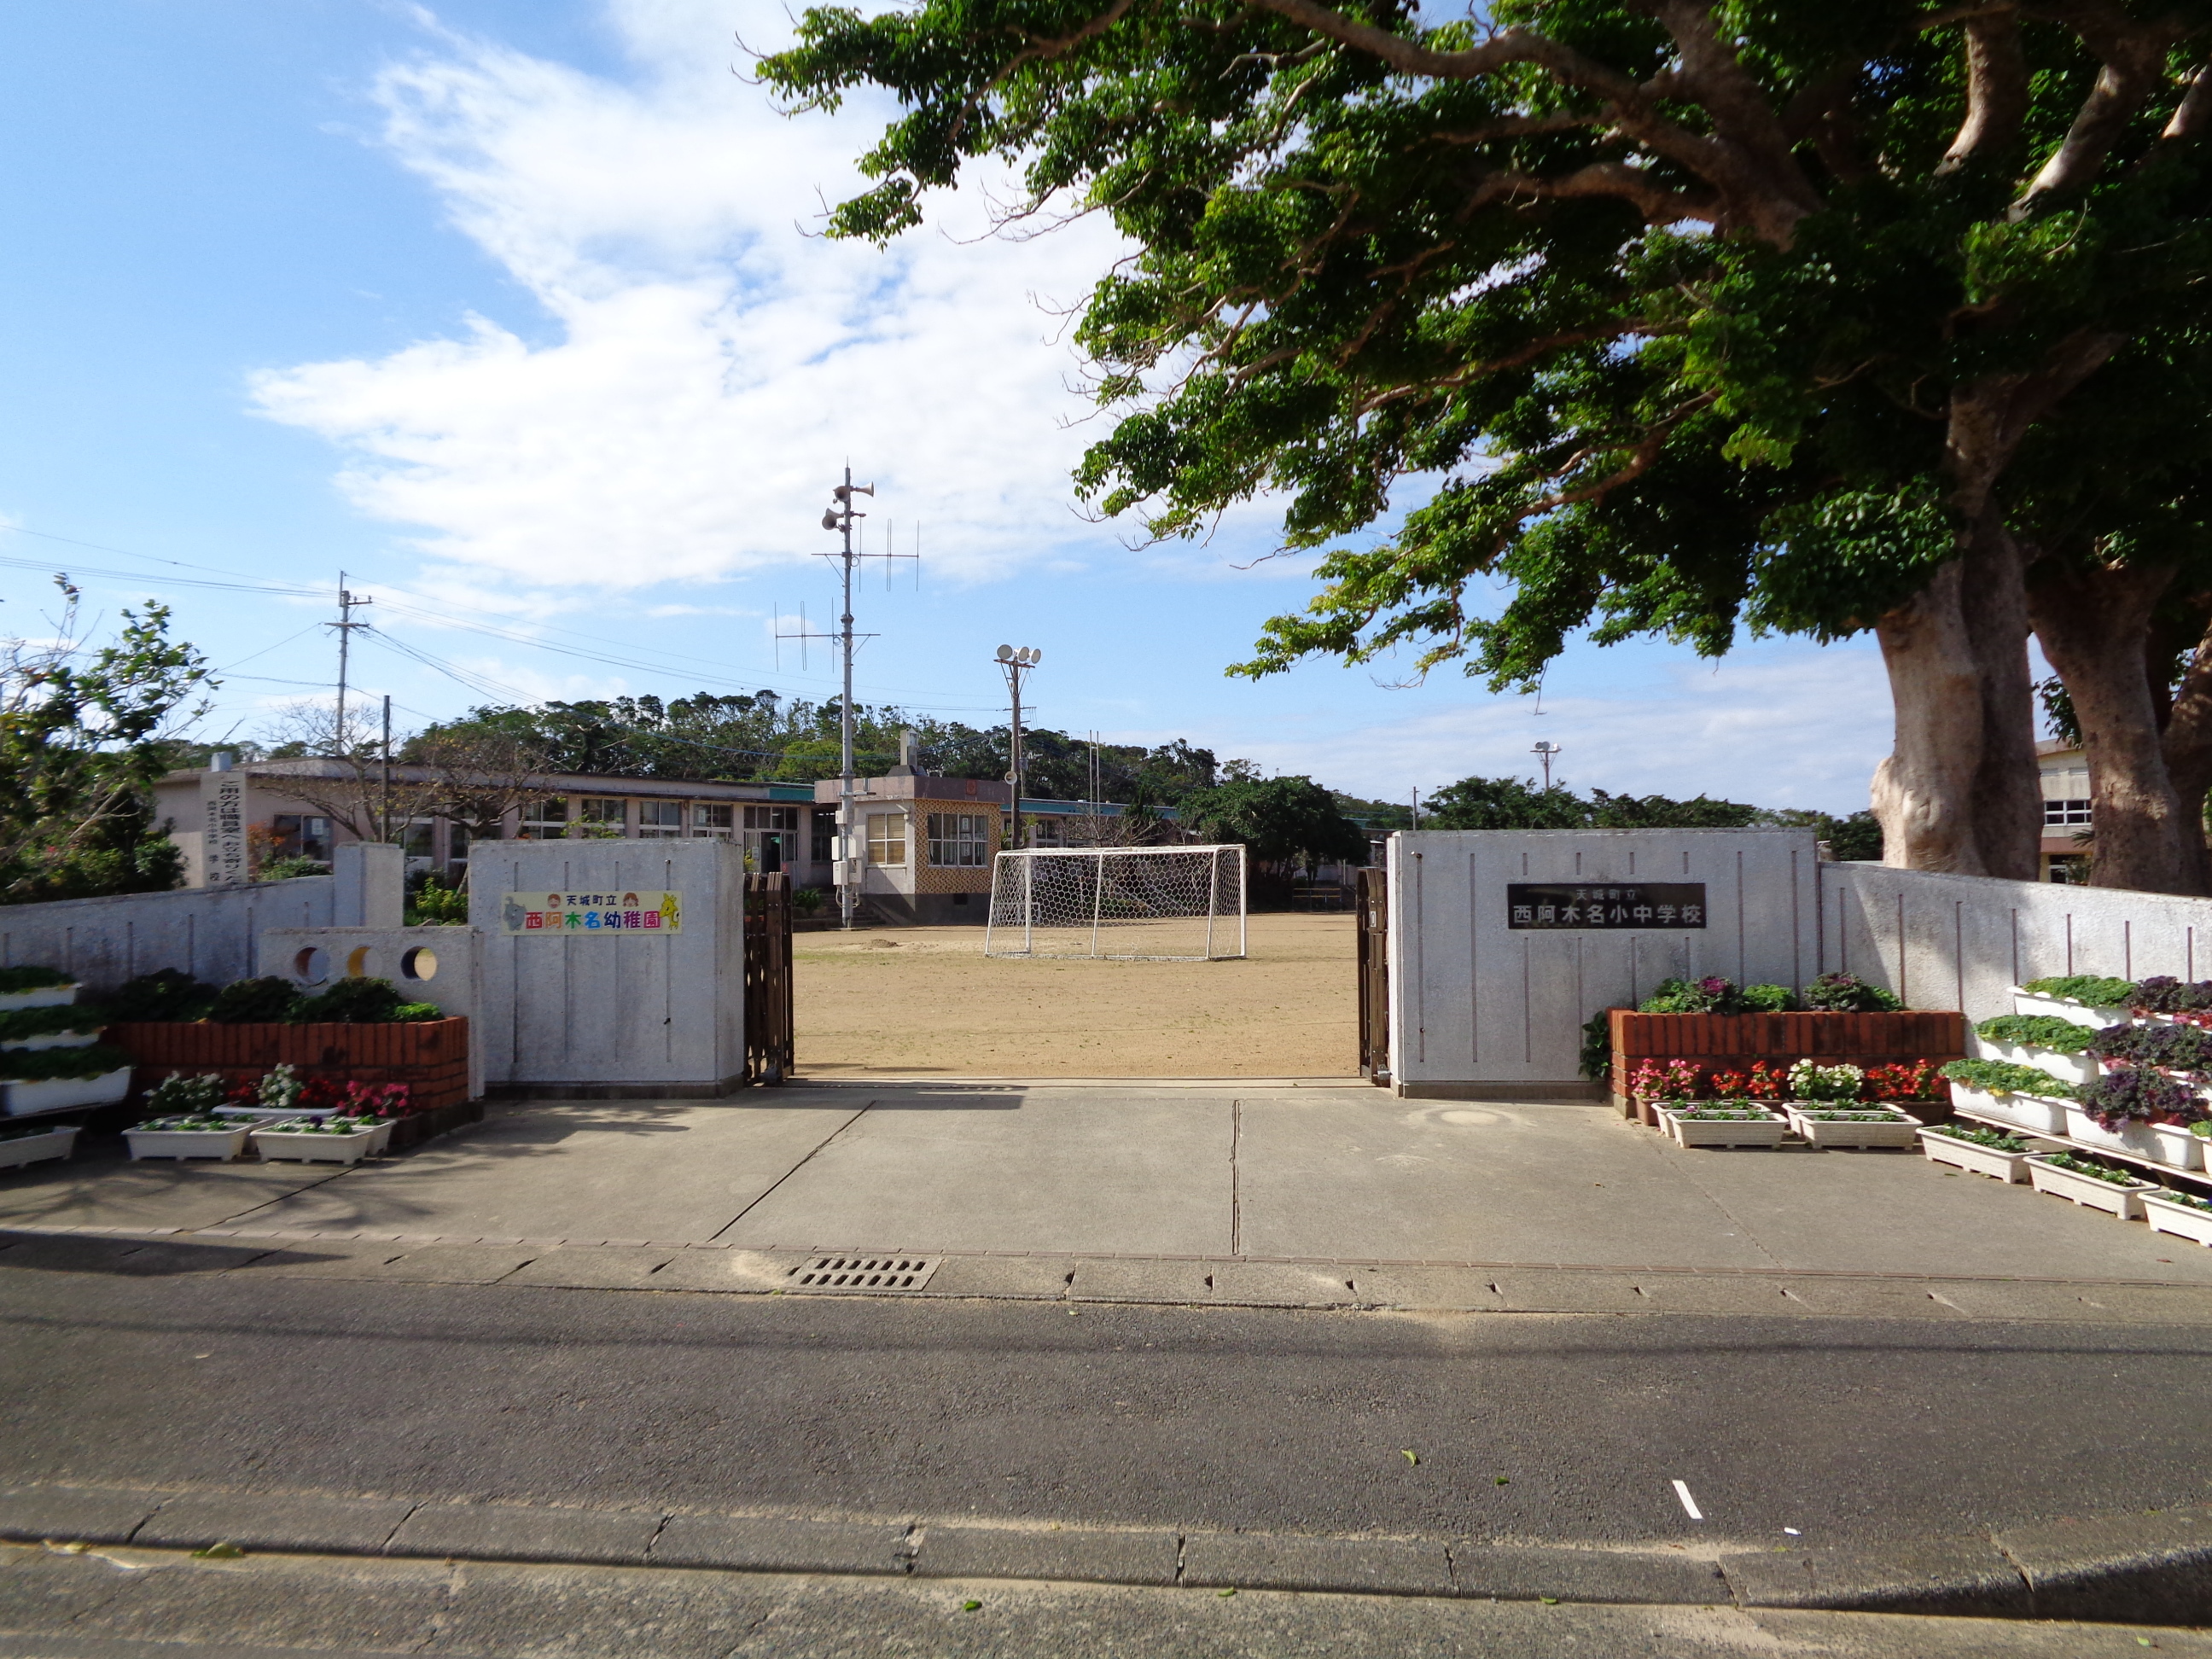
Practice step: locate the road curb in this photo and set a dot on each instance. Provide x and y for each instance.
(2154, 1568)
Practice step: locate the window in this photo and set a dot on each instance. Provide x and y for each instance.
(1045, 832)
(299, 837)
(825, 837)
(457, 844)
(415, 843)
(2065, 811)
(545, 820)
(709, 818)
(659, 820)
(603, 816)
(959, 840)
(887, 838)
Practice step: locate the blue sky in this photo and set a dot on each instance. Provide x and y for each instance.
(507, 310)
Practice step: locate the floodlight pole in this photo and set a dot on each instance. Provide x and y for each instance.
(1016, 664)
(848, 886)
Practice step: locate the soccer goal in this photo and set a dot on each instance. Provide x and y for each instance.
(1132, 903)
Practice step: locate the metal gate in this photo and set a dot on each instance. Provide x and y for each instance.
(1375, 975)
(767, 978)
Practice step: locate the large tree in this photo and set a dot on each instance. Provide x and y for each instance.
(1707, 315)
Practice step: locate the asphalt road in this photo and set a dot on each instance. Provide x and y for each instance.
(1537, 1427)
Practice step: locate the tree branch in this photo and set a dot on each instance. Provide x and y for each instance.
(1997, 90)
(2134, 58)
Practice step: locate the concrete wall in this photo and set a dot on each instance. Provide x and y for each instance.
(210, 933)
(1478, 1009)
(623, 1014)
(1963, 941)
(444, 965)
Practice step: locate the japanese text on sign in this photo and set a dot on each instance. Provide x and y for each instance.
(1673, 904)
(587, 915)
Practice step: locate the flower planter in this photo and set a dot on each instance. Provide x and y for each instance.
(2038, 1114)
(46, 996)
(2009, 1167)
(2157, 1143)
(19, 1149)
(1732, 1042)
(1691, 1131)
(2067, 1068)
(1893, 1128)
(55, 1040)
(57, 1094)
(2167, 1214)
(430, 1056)
(2081, 1013)
(223, 1144)
(2124, 1201)
(271, 1114)
(314, 1148)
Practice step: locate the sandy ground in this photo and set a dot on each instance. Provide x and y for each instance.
(926, 1002)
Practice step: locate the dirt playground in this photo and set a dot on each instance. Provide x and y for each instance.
(926, 1002)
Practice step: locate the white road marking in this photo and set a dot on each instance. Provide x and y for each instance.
(1689, 1503)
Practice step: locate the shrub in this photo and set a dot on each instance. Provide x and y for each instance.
(2162, 994)
(1846, 993)
(2083, 1166)
(18, 1024)
(2141, 1096)
(167, 993)
(1996, 1140)
(289, 869)
(32, 979)
(351, 1001)
(1768, 1000)
(2061, 1036)
(409, 1012)
(1597, 1046)
(435, 904)
(1657, 1080)
(253, 1002)
(2176, 1047)
(1810, 1080)
(1710, 995)
(2094, 989)
(807, 900)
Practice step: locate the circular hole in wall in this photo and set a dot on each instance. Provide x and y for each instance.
(420, 962)
(357, 963)
(311, 967)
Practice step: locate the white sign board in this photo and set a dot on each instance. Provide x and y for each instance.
(655, 914)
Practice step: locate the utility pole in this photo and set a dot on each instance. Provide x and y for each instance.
(345, 624)
(1016, 663)
(384, 811)
(1544, 751)
(842, 517)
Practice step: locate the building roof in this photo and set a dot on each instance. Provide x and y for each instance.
(274, 772)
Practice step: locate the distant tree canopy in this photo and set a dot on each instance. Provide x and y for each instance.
(1521, 803)
(764, 735)
(1278, 820)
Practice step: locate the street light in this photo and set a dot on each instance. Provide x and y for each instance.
(1015, 662)
(1544, 751)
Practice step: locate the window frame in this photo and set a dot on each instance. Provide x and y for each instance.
(968, 841)
(896, 843)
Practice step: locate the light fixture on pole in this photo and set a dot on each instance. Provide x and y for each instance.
(1016, 662)
(1544, 751)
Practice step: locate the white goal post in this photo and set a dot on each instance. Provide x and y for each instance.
(1131, 903)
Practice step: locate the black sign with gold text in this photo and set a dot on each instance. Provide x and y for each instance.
(1605, 906)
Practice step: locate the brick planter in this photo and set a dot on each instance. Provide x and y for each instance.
(430, 1056)
(1730, 1043)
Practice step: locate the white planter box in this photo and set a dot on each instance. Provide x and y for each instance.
(2024, 1002)
(269, 1113)
(57, 1094)
(322, 1149)
(2067, 1068)
(60, 1143)
(2159, 1143)
(48, 996)
(55, 1040)
(2038, 1114)
(1725, 1132)
(2125, 1202)
(1894, 1129)
(2009, 1167)
(186, 1142)
(2181, 1220)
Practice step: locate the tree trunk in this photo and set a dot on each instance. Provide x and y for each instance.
(2008, 789)
(2094, 624)
(2188, 748)
(1923, 792)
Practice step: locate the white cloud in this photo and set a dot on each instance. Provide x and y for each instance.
(1776, 725)
(708, 368)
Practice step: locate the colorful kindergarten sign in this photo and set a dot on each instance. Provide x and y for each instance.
(587, 915)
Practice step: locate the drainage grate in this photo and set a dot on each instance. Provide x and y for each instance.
(864, 1272)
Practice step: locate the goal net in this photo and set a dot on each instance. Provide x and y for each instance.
(1136, 903)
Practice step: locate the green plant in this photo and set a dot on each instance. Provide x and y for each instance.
(1723, 1111)
(320, 1125)
(351, 1001)
(167, 993)
(192, 1096)
(1768, 1000)
(254, 1002)
(280, 1087)
(193, 1124)
(44, 1064)
(1996, 1140)
(2189, 1200)
(2096, 990)
(32, 979)
(2002, 1077)
(436, 905)
(2061, 1036)
(1847, 994)
(1597, 1058)
(416, 1012)
(1710, 995)
(2083, 1166)
(290, 869)
(1846, 1115)
(806, 901)
(19, 1024)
